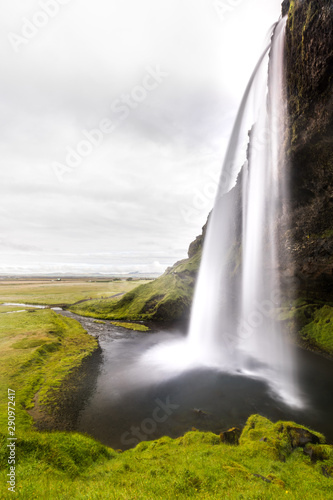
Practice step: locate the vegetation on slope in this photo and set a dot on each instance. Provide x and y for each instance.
(131, 326)
(37, 351)
(167, 298)
(313, 321)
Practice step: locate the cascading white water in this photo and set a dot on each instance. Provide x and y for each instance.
(232, 325)
(232, 322)
(263, 189)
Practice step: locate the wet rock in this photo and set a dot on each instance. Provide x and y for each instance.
(318, 452)
(327, 472)
(308, 451)
(276, 480)
(309, 91)
(231, 436)
(263, 478)
(201, 413)
(301, 437)
(285, 7)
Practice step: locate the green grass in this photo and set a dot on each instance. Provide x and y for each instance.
(167, 298)
(131, 326)
(65, 292)
(37, 351)
(197, 465)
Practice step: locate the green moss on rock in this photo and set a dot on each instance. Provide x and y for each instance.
(313, 322)
(131, 326)
(276, 440)
(319, 331)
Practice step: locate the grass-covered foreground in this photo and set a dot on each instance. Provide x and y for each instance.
(267, 464)
(38, 349)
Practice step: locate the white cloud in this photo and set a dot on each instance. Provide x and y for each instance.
(130, 193)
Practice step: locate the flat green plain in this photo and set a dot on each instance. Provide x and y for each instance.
(65, 292)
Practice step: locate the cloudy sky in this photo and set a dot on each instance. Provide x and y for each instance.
(114, 119)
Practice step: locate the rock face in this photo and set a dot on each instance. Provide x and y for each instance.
(308, 236)
(231, 436)
(310, 105)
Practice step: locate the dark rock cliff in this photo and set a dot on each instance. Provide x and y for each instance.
(310, 155)
(306, 244)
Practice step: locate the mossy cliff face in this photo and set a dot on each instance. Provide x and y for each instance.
(309, 56)
(308, 236)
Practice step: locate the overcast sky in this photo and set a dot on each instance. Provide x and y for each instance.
(114, 119)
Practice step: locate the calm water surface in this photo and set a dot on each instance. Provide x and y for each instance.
(132, 401)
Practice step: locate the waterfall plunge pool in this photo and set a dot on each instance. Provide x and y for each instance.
(134, 400)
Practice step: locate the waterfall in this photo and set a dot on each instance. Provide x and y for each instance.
(233, 326)
(232, 322)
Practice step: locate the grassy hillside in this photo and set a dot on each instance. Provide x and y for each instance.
(164, 299)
